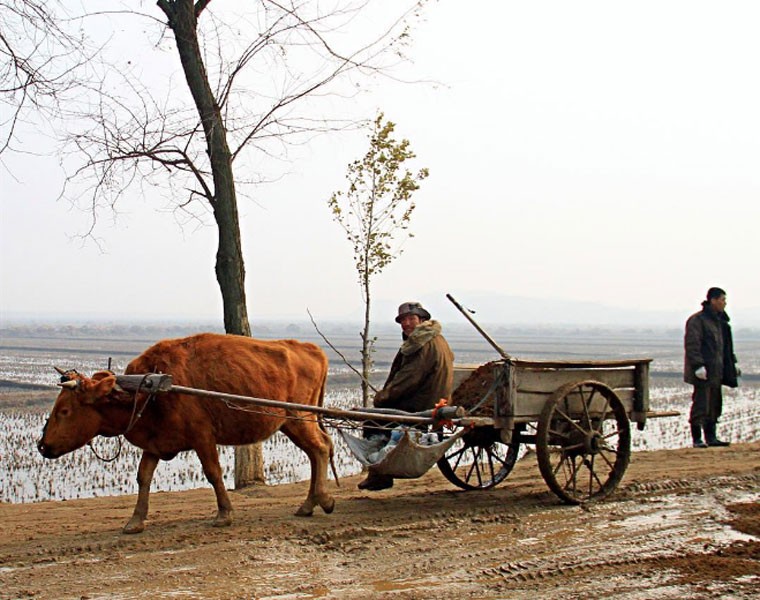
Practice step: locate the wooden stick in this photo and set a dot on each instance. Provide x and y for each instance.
(338, 352)
(293, 407)
(654, 414)
(162, 383)
(489, 339)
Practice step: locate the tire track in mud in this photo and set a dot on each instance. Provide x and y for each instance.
(616, 547)
(407, 526)
(662, 533)
(409, 522)
(669, 485)
(416, 567)
(598, 540)
(111, 544)
(419, 539)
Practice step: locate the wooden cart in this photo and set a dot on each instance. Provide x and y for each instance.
(577, 415)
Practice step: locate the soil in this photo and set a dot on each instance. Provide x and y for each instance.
(683, 524)
(475, 393)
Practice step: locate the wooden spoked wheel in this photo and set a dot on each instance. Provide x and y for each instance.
(479, 460)
(583, 443)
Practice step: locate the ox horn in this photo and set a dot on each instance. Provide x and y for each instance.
(60, 370)
(71, 384)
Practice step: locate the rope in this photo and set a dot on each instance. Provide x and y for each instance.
(329, 421)
(133, 419)
(497, 380)
(339, 423)
(107, 460)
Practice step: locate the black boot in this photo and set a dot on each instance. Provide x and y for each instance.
(710, 435)
(696, 436)
(376, 482)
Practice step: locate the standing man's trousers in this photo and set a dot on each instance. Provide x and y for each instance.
(706, 404)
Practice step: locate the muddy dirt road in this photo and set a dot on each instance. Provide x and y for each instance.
(684, 524)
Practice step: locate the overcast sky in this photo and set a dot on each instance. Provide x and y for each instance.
(598, 152)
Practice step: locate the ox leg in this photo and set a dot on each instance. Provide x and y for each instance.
(145, 471)
(209, 457)
(317, 444)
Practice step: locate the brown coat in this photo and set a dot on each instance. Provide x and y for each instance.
(422, 372)
(708, 343)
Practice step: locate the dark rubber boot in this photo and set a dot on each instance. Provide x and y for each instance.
(711, 437)
(375, 482)
(696, 437)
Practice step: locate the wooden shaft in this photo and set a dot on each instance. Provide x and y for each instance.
(580, 364)
(445, 412)
(653, 414)
(292, 406)
(162, 383)
(488, 338)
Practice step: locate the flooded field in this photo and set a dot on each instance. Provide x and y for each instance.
(27, 388)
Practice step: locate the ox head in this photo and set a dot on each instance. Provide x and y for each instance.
(76, 416)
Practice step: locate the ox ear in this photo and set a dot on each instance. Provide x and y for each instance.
(102, 375)
(99, 386)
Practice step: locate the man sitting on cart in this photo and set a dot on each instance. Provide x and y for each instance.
(421, 375)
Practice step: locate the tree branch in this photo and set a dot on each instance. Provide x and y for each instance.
(199, 6)
(339, 353)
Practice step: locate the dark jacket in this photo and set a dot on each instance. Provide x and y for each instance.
(422, 372)
(708, 343)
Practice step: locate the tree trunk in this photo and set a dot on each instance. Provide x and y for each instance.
(230, 269)
(366, 347)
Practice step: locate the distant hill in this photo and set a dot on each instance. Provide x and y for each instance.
(488, 309)
(526, 311)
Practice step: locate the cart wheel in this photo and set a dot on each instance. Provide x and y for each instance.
(583, 442)
(479, 460)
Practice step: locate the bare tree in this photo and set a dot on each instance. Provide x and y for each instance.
(255, 81)
(375, 212)
(40, 61)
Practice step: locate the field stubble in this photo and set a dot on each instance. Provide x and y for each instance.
(25, 367)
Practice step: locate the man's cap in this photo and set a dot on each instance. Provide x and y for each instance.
(412, 308)
(714, 293)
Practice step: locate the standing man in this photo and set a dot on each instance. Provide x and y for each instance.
(421, 375)
(709, 364)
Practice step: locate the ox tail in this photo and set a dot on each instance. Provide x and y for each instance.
(332, 453)
(321, 402)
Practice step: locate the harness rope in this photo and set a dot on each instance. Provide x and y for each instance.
(333, 422)
(133, 419)
(107, 460)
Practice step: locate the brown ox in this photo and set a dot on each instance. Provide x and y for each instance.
(169, 423)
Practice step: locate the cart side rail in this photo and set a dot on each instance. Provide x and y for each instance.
(530, 383)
